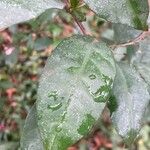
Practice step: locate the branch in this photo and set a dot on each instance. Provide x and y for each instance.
(80, 25)
(149, 4)
(141, 37)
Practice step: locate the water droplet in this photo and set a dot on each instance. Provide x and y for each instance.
(55, 107)
(39, 117)
(63, 115)
(92, 76)
(58, 128)
(53, 95)
(72, 69)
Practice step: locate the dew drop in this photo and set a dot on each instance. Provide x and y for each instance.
(39, 117)
(55, 107)
(58, 128)
(53, 95)
(92, 76)
(72, 69)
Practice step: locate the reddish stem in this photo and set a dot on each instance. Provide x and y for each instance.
(80, 25)
(141, 37)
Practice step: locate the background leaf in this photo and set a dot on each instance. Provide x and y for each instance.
(15, 11)
(74, 3)
(147, 115)
(42, 43)
(132, 12)
(30, 136)
(73, 90)
(9, 146)
(119, 33)
(130, 92)
(142, 60)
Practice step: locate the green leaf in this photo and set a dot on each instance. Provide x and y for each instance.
(30, 138)
(79, 15)
(131, 94)
(11, 59)
(42, 43)
(5, 84)
(141, 60)
(131, 12)
(9, 146)
(119, 33)
(146, 118)
(73, 90)
(74, 3)
(15, 11)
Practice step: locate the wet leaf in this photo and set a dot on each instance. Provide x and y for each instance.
(132, 12)
(119, 33)
(73, 90)
(141, 60)
(15, 11)
(30, 138)
(147, 115)
(9, 146)
(131, 94)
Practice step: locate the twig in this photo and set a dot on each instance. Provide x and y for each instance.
(80, 25)
(141, 37)
(148, 21)
(149, 3)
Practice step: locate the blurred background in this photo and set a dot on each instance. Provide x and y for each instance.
(24, 49)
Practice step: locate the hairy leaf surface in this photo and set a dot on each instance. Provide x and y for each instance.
(119, 33)
(73, 90)
(142, 60)
(15, 11)
(30, 139)
(131, 94)
(131, 12)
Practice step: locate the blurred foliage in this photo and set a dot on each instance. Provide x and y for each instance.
(24, 49)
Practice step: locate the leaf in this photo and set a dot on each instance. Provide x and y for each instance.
(42, 43)
(141, 60)
(5, 84)
(119, 33)
(73, 90)
(15, 11)
(79, 15)
(9, 146)
(133, 13)
(146, 118)
(130, 92)
(74, 3)
(12, 58)
(30, 138)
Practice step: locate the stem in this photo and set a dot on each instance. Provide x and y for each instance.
(141, 37)
(80, 25)
(149, 3)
